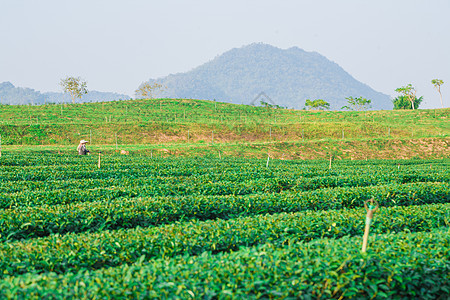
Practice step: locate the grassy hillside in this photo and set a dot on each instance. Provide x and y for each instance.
(213, 224)
(187, 127)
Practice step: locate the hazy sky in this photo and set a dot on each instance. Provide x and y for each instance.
(117, 44)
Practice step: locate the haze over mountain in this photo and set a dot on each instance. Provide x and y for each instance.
(287, 77)
(9, 94)
(282, 77)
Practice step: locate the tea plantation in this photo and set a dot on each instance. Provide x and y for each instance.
(144, 227)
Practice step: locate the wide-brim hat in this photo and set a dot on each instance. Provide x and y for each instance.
(83, 142)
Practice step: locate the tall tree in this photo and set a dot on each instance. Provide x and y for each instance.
(409, 92)
(148, 91)
(359, 103)
(437, 84)
(75, 86)
(402, 102)
(317, 104)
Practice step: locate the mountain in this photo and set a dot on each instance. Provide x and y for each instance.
(282, 77)
(9, 94)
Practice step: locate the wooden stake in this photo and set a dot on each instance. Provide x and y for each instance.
(371, 209)
(99, 154)
(331, 156)
(268, 157)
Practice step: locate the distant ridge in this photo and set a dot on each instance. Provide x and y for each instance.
(9, 94)
(288, 77)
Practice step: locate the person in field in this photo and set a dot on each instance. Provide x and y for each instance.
(82, 148)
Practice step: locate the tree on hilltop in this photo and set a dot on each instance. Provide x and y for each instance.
(437, 84)
(403, 102)
(317, 104)
(409, 92)
(148, 91)
(75, 86)
(358, 104)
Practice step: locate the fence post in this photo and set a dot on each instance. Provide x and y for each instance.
(371, 209)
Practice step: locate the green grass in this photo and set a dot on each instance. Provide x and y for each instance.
(162, 121)
(348, 149)
(206, 217)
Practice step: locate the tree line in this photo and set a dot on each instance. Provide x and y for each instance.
(406, 100)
